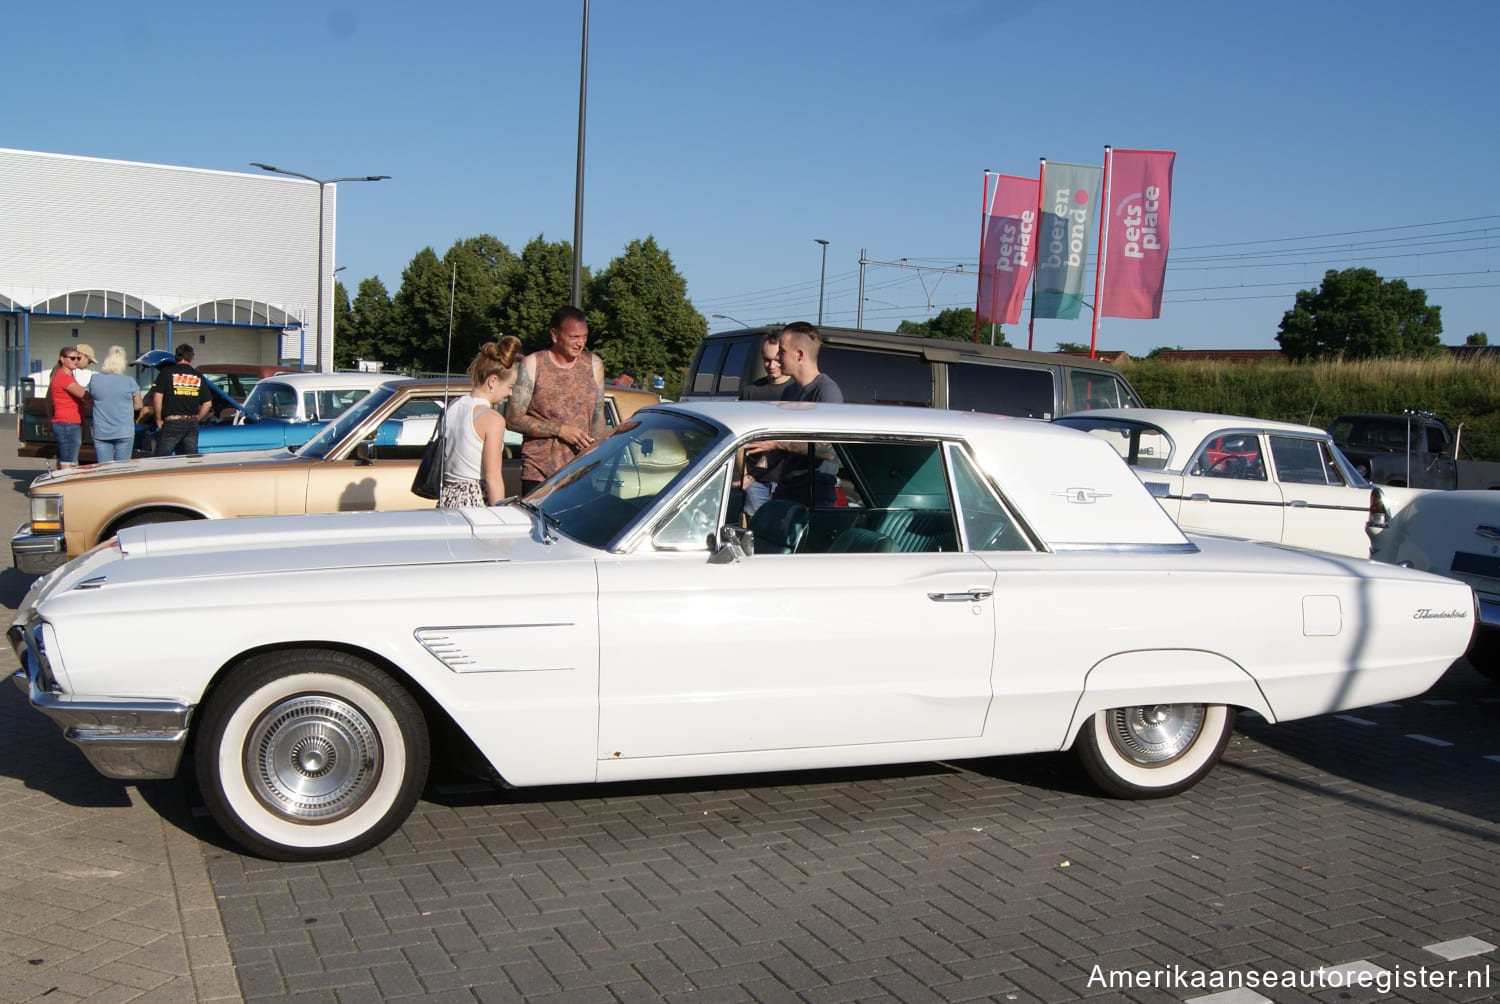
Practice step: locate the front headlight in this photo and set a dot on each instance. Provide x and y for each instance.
(46, 514)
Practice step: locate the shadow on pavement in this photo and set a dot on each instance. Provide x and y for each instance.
(34, 752)
(1428, 749)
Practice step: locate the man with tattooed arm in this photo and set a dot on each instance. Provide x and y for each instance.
(558, 402)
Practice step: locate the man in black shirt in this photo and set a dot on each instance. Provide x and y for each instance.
(180, 400)
(800, 343)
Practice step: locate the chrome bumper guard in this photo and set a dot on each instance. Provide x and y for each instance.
(132, 740)
(37, 554)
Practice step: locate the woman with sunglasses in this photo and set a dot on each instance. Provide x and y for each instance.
(64, 407)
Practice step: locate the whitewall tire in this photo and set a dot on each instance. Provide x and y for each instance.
(311, 754)
(1153, 750)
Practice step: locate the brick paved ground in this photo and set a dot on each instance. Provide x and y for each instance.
(103, 892)
(1322, 843)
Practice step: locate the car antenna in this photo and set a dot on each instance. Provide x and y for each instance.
(447, 371)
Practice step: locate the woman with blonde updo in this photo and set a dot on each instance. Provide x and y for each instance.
(474, 429)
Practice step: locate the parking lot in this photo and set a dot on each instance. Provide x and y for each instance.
(1349, 849)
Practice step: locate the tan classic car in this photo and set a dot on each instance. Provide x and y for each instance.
(362, 461)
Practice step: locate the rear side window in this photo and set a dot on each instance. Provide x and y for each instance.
(708, 367)
(878, 377)
(1001, 390)
(733, 370)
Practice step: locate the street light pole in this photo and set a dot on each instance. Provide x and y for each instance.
(576, 298)
(322, 184)
(736, 320)
(822, 271)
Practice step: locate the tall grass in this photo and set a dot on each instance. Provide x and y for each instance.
(1456, 390)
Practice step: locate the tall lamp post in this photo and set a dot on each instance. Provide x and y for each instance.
(322, 184)
(822, 271)
(736, 320)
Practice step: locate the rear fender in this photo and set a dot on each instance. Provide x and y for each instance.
(1166, 676)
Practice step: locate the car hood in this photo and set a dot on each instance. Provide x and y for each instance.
(148, 465)
(247, 549)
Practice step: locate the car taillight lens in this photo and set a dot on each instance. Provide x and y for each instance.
(46, 514)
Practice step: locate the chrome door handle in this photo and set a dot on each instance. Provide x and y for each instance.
(1198, 497)
(972, 596)
(1299, 503)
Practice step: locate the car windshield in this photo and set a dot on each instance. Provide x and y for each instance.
(319, 446)
(596, 497)
(1142, 444)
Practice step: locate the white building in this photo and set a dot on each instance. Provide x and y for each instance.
(150, 256)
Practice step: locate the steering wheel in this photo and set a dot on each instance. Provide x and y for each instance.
(1228, 467)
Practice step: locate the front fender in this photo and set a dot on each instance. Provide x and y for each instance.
(1165, 676)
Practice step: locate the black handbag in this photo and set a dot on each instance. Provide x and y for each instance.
(428, 483)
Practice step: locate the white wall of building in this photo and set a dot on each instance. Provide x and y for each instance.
(174, 237)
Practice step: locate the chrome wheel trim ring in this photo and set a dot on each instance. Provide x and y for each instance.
(1151, 735)
(312, 758)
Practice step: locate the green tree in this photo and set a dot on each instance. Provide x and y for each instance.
(1477, 338)
(419, 338)
(343, 329)
(956, 324)
(639, 315)
(1071, 347)
(372, 323)
(542, 282)
(485, 267)
(1156, 352)
(1355, 314)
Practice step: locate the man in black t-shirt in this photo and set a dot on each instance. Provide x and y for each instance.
(180, 399)
(764, 470)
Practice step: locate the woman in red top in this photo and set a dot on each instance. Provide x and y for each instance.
(64, 394)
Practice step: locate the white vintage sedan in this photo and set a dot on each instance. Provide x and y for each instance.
(928, 585)
(1250, 477)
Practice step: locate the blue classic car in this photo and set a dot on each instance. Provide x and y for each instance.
(282, 410)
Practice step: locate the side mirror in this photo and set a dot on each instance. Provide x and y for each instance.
(735, 543)
(364, 454)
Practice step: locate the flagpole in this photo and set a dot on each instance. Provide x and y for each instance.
(1041, 181)
(1099, 256)
(984, 219)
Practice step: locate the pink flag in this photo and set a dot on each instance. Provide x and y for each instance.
(1006, 259)
(1135, 251)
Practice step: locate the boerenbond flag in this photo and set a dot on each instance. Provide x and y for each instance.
(1007, 258)
(1135, 235)
(1070, 198)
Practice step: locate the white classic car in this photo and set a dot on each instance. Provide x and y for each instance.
(929, 585)
(1249, 477)
(1457, 534)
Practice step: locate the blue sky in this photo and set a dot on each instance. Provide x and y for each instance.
(1310, 135)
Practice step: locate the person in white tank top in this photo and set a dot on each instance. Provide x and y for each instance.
(474, 430)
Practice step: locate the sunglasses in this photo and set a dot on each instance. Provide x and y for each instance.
(72, 357)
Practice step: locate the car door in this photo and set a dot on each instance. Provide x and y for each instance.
(1226, 487)
(1323, 511)
(793, 651)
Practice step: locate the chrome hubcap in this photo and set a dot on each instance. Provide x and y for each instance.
(313, 758)
(1154, 734)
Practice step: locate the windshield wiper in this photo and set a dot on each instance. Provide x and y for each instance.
(549, 521)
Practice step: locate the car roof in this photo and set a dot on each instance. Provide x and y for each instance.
(1073, 488)
(1191, 427)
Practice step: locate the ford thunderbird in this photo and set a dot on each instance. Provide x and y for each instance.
(938, 585)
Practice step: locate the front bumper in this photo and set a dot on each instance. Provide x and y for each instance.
(37, 554)
(133, 740)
